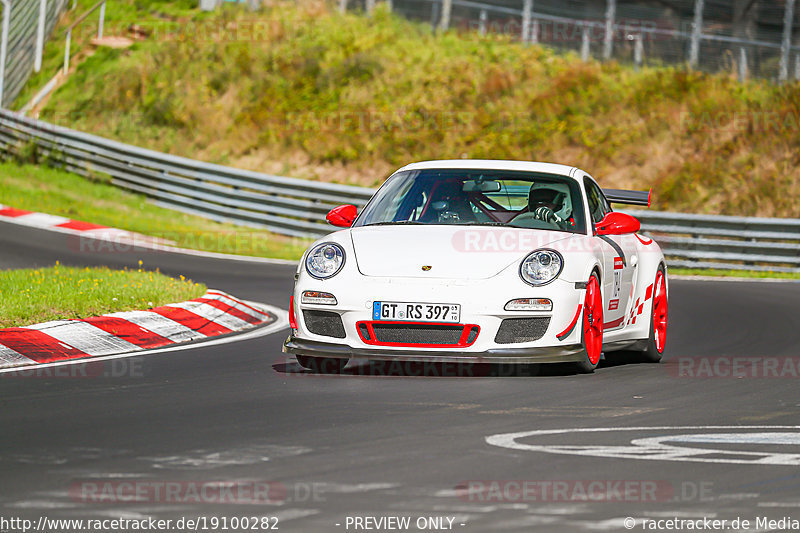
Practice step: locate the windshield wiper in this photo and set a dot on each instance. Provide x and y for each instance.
(483, 224)
(397, 222)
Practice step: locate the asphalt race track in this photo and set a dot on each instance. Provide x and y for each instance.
(385, 441)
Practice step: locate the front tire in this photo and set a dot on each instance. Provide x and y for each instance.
(592, 326)
(322, 365)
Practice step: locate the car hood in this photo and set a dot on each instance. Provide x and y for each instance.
(453, 252)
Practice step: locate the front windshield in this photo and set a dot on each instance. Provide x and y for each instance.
(468, 197)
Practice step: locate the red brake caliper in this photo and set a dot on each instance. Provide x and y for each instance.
(660, 313)
(593, 321)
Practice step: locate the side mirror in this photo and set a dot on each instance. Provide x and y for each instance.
(342, 216)
(617, 224)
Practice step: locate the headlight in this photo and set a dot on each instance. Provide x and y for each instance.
(541, 267)
(325, 260)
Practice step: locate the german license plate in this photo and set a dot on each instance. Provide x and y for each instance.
(416, 311)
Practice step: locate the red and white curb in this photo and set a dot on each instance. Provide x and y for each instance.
(121, 240)
(215, 313)
(76, 227)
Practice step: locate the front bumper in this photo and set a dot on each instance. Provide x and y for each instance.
(542, 354)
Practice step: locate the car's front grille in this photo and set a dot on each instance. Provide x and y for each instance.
(325, 323)
(515, 330)
(417, 333)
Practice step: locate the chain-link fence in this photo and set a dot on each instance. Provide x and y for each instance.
(744, 37)
(23, 29)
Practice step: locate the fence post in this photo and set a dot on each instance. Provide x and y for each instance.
(786, 42)
(585, 43)
(482, 23)
(66, 52)
(4, 47)
(608, 38)
(102, 20)
(37, 60)
(697, 29)
(447, 7)
(527, 8)
(342, 6)
(389, 5)
(638, 51)
(797, 67)
(742, 64)
(434, 14)
(370, 6)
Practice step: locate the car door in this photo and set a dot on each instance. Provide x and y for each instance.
(619, 260)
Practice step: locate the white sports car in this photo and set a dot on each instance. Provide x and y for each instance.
(481, 261)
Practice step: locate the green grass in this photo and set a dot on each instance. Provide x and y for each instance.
(305, 91)
(57, 192)
(30, 296)
(118, 18)
(733, 273)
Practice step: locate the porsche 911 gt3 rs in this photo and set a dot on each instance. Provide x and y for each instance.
(482, 261)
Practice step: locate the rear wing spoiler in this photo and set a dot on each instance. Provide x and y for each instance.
(622, 196)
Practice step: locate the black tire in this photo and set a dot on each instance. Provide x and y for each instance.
(651, 354)
(585, 366)
(322, 365)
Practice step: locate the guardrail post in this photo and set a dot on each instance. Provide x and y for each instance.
(742, 64)
(608, 38)
(697, 30)
(66, 52)
(786, 42)
(447, 8)
(37, 60)
(102, 21)
(4, 47)
(527, 8)
(585, 43)
(482, 22)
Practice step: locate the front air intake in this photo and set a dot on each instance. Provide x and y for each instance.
(325, 323)
(516, 330)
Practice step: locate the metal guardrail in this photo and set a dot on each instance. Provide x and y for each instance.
(297, 207)
(284, 205)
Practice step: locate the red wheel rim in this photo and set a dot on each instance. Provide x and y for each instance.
(593, 321)
(660, 312)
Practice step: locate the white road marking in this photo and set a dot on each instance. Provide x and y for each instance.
(282, 322)
(236, 305)
(9, 357)
(87, 338)
(212, 314)
(159, 324)
(654, 448)
(41, 220)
